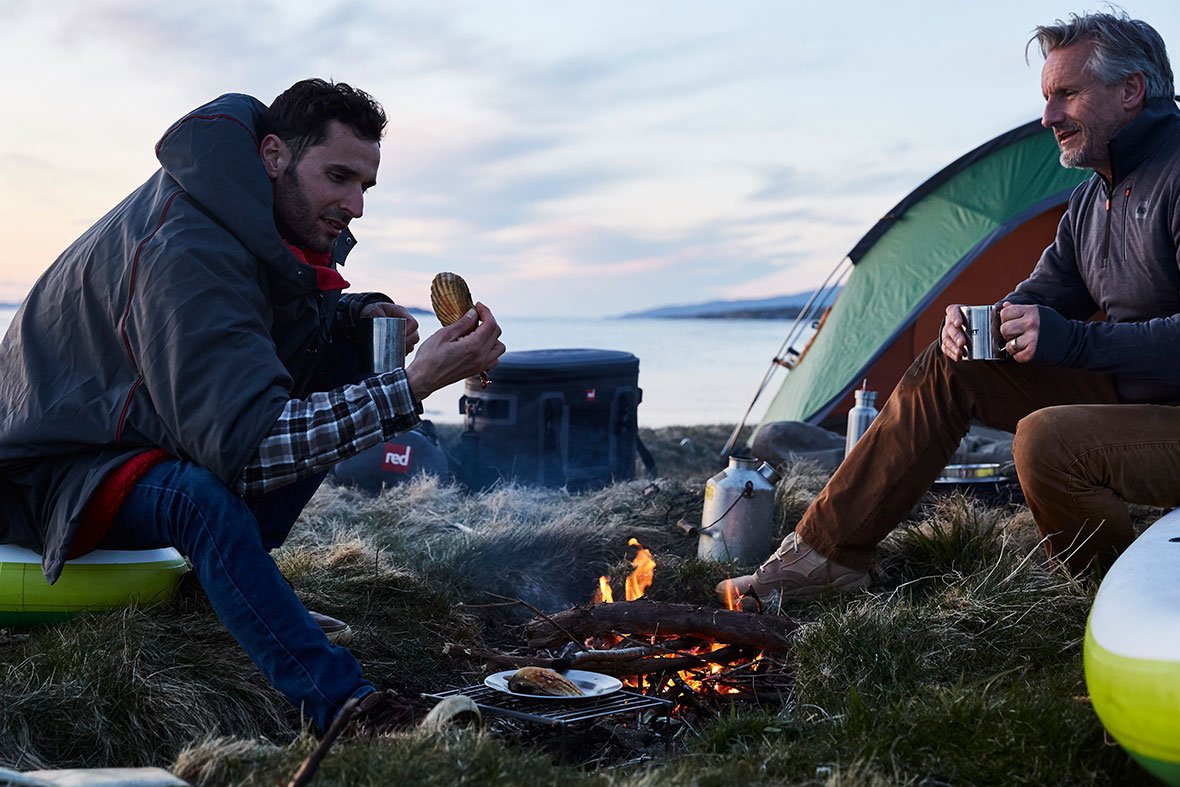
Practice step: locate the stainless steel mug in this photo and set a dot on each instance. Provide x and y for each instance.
(389, 343)
(984, 342)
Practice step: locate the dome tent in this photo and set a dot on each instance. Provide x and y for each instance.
(969, 234)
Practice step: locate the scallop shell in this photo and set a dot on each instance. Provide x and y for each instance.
(450, 297)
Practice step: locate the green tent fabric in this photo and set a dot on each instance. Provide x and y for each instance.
(912, 254)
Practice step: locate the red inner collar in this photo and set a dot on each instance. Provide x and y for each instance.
(326, 277)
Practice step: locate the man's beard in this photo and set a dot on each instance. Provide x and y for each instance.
(1084, 157)
(1095, 150)
(295, 220)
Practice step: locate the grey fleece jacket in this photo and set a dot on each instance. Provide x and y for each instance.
(1115, 254)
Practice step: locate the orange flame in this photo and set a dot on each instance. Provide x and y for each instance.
(645, 568)
(637, 583)
(603, 595)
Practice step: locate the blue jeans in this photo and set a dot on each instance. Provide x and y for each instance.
(183, 505)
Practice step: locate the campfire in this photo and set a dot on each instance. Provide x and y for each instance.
(665, 647)
(695, 656)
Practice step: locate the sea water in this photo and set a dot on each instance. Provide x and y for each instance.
(692, 372)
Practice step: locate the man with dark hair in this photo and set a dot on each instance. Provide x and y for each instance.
(300, 115)
(1092, 403)
(188, 370)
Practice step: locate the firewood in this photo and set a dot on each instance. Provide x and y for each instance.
(617, 661)
(764, 632)
(670, 664)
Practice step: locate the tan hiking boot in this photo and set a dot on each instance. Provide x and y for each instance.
(337, 631)
(794, 571)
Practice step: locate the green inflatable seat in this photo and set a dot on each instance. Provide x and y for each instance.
(101, 580)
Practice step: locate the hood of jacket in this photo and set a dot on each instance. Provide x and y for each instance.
(180, 320)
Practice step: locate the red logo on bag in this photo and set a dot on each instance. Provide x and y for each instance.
(397, 458)
(591, 394)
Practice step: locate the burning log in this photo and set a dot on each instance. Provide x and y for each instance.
(764, 632)
(589, 659)
(621, 661)
(665, 664)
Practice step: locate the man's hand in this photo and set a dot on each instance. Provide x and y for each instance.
(954, 337)
(460, 350)
(383, 309)
(1020, 325)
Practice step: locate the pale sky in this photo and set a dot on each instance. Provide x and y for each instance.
(567, 158)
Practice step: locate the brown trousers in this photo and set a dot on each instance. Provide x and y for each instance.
(1080, 456)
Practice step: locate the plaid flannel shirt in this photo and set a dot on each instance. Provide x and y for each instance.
(314, 433)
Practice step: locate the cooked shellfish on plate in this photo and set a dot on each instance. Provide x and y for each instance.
(591, 684)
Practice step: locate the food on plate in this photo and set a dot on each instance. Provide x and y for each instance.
(539, 680)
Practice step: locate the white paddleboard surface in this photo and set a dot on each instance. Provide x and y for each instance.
(14, 554)
(1137, 610)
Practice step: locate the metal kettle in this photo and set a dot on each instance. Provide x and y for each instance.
(737, 521)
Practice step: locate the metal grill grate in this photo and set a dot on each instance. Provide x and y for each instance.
(557, 713)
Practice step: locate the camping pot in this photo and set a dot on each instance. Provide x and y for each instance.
(859, 418)
(737, 522)
(982, 325)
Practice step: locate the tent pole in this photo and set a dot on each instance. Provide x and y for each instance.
(804, 315)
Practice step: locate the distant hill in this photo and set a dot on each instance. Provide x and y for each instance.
(776, 308)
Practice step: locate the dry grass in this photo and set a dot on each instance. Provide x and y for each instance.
(961, 663)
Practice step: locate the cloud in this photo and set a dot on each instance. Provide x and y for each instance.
(783, 181)
(575, 158)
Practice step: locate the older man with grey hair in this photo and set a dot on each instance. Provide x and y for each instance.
(1092, 383)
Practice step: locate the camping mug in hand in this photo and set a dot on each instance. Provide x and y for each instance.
(389, 343)
(982, 326)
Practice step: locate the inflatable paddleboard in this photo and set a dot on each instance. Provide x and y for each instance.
(1132, 649)
(104, 579)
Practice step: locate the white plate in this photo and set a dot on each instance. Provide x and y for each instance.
(592, 684)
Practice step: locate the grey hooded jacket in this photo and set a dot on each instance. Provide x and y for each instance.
(180, 320)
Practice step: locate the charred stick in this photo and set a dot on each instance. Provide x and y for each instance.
(623, 659)
(687, 693)
(311, 764)
(655, 664)
(617, 654)
(501, 659)
(765, 632)
(677, 645)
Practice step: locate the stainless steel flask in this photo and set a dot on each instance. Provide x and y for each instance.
(859, 417)
(737, 522)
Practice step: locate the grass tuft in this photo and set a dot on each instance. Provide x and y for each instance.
(129, 688)
(458, 758)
